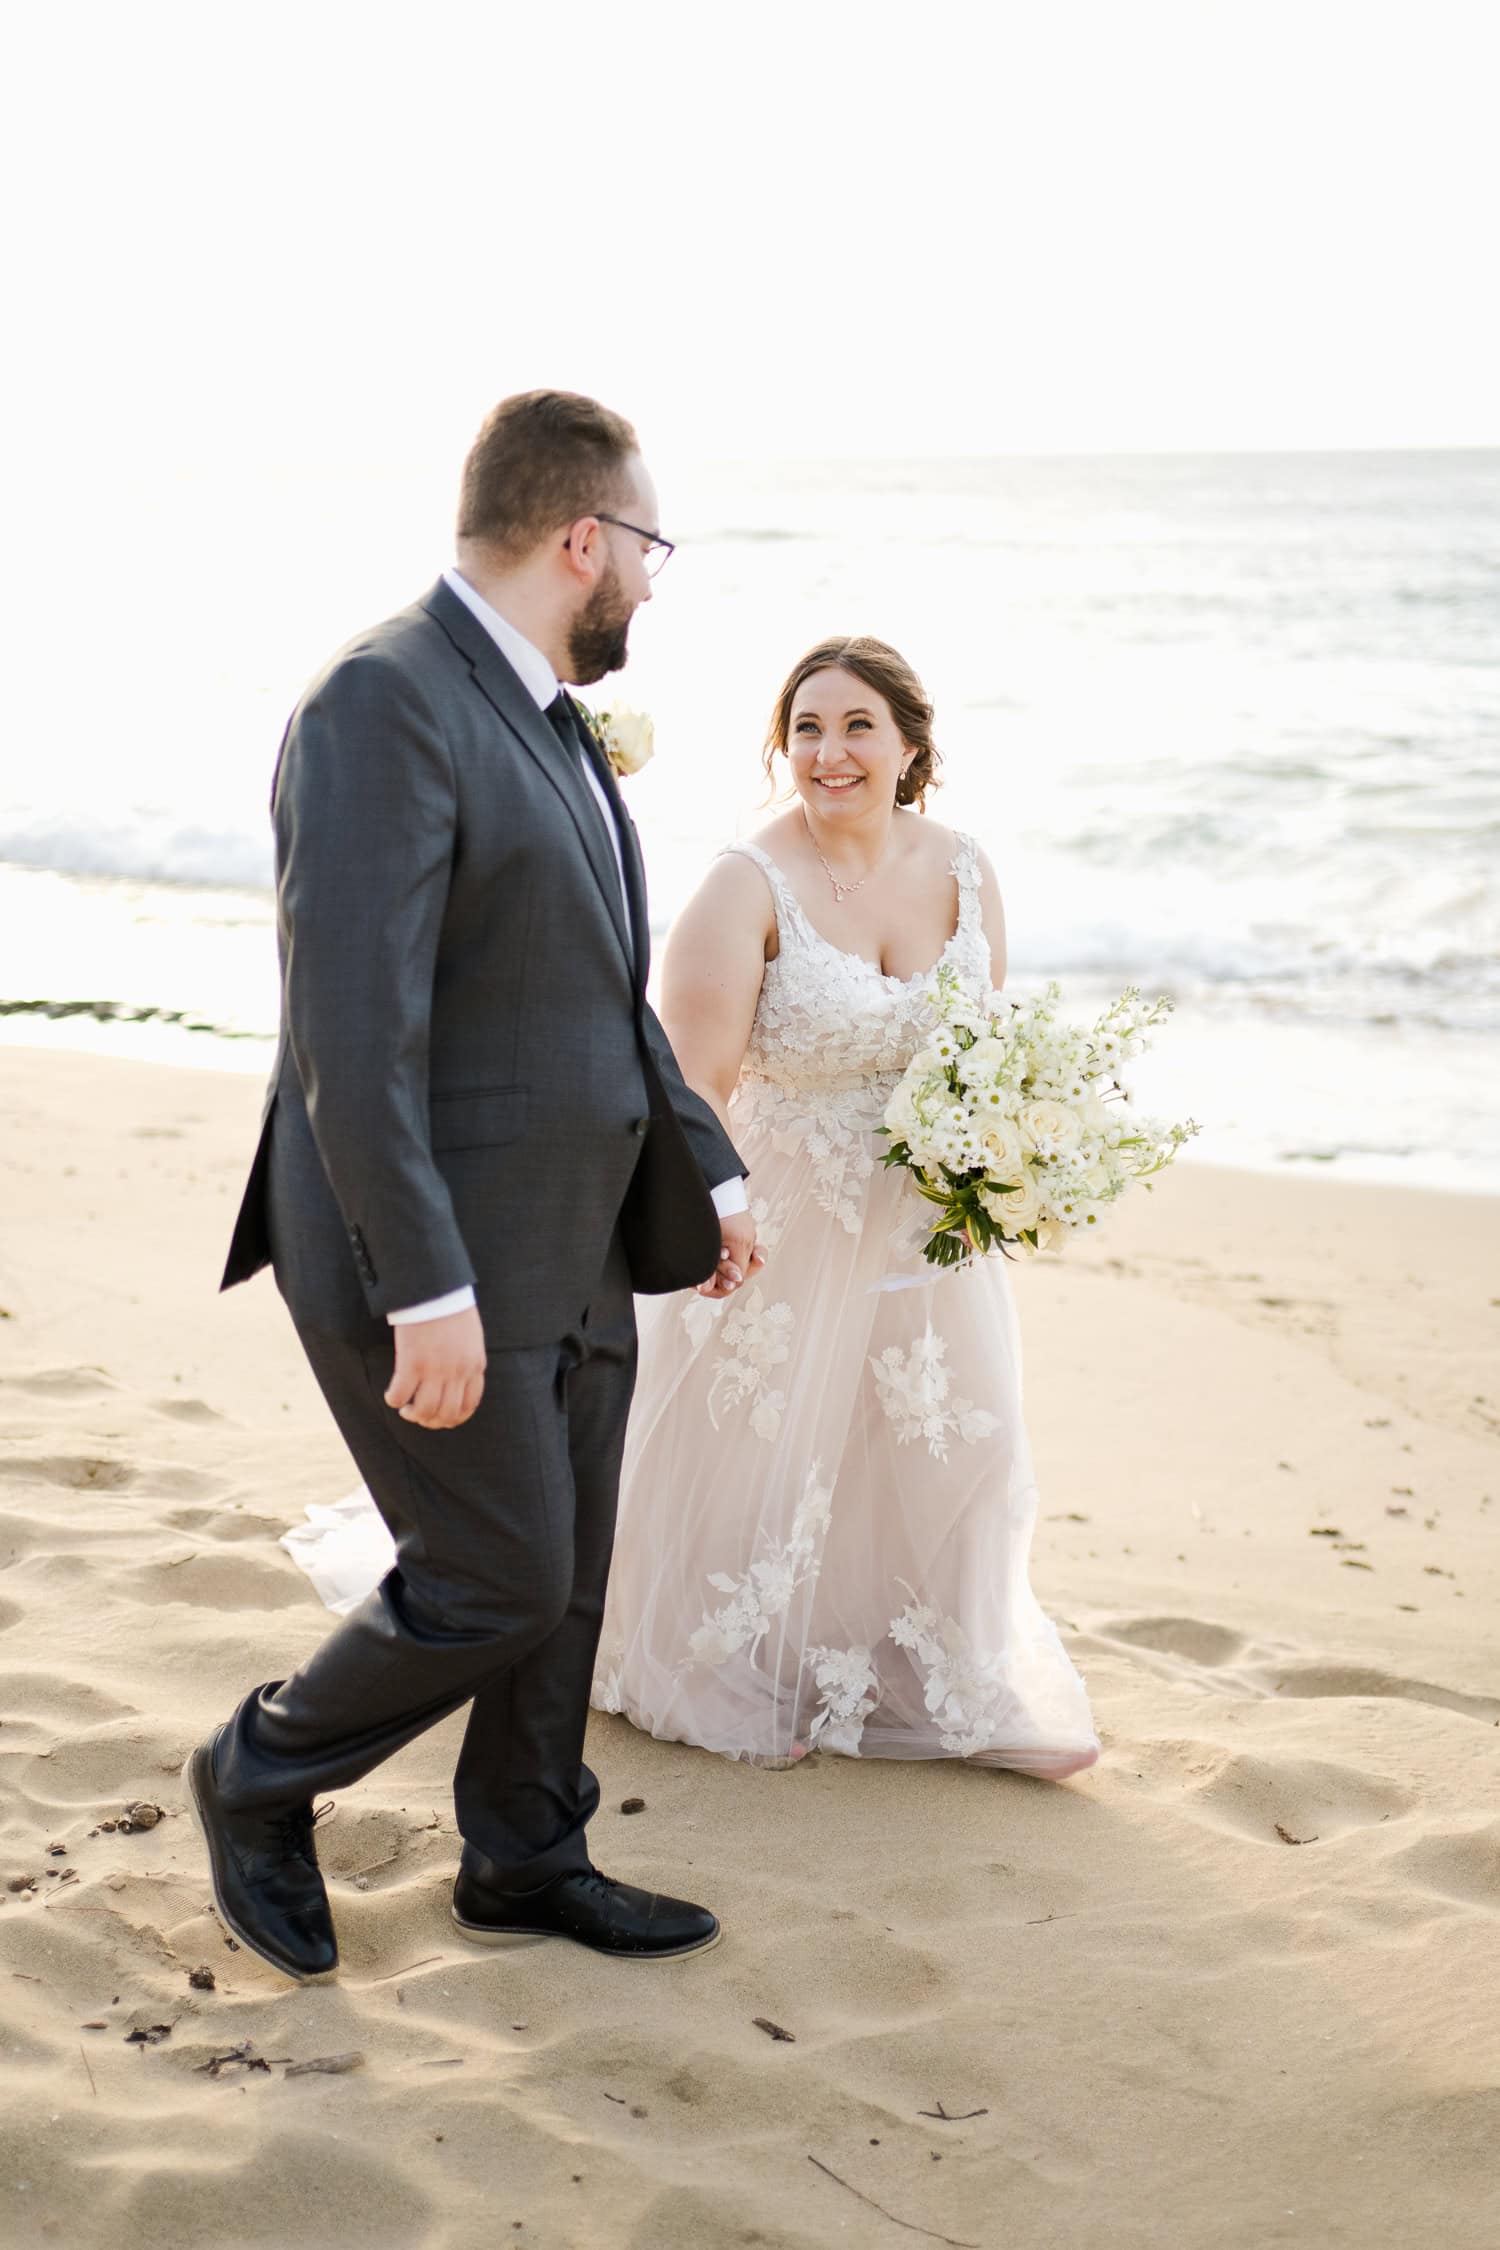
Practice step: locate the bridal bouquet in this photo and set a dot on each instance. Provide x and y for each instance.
(1015, 1124)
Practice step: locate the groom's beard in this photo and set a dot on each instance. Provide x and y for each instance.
(600, 634)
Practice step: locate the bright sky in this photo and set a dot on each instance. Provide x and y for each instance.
(333, 232)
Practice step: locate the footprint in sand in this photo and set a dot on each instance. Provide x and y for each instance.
(170, 2182)
(210, 1578)
(1274, 1801)
(76, 1472)
(51, 1698)
(1452, 2130)
(374, 1838)
(174, 1483)
(1462, 1864)
(1188, 1651)
(596, 2074)
(1357, 1680)
(1199, 1645)
(61, 1382)
(226, 1524)
(186, 1410)
(1192, 1638)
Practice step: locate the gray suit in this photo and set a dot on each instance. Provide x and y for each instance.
(469, 1088)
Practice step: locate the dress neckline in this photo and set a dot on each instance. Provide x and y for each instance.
(782, 890)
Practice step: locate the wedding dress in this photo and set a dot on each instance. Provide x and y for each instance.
(827, 1500)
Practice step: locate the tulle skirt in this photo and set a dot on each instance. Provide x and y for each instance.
(827, 1502)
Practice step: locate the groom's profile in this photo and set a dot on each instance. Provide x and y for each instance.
(476, 1145)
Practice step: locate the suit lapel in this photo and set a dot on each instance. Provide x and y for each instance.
(499, 684)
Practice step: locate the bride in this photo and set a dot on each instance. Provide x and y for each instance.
(827, 1498)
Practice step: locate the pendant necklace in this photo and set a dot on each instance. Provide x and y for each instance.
(841, 891)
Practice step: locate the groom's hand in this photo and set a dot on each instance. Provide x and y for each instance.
(439, 1378)
(739, 1257)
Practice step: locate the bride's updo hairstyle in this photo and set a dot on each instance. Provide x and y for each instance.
(886, 671)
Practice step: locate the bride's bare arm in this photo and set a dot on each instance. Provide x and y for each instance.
(992, 912)
(711, 976)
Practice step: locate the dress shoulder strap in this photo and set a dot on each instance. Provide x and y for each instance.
(787, 909)
(965, 865)
(746, 850)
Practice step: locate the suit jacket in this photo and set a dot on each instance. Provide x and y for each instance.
(469, 1085)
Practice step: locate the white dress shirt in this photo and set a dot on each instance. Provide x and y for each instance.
(542, 685)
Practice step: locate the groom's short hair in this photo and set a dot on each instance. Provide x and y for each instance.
(542, 459)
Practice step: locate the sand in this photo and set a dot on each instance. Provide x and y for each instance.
(1235, 1987)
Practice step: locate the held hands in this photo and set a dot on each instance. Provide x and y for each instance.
(439, 1373)
(739, 1259)
(439, 1378)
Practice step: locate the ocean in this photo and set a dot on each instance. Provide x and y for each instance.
(1228, 725)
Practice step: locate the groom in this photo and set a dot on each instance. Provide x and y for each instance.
(477, 1144)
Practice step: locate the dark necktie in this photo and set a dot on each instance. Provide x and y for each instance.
(567, 727)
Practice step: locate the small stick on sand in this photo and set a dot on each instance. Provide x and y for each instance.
(953, 2241)
(374, 1866)
(333, 2066)
(93, 2089)
(425, 1962)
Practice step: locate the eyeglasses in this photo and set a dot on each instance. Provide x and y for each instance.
(659, 551)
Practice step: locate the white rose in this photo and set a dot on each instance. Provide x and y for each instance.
(629, 738)
(983, 1060)
(1017, 1208)
(1004, 1155)
(901, 1119)
(1050, 1127)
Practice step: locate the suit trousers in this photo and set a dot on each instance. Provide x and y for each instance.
(503, 1531)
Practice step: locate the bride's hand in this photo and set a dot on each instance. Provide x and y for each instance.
(739, 1259)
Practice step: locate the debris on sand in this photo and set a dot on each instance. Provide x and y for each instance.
(242, 2057)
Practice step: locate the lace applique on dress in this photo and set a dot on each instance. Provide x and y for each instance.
(915, 1393)
(967, 1695)
(848, 1690)
(756, 1337)
(765, 1589)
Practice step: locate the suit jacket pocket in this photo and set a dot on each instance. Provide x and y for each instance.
(477, 1117)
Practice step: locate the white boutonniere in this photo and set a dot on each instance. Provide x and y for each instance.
(626, 737)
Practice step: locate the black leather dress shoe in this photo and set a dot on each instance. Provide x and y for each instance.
(614, 1918)
(265, 1876)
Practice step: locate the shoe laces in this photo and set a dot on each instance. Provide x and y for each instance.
(591, 1879)
(294, 1830)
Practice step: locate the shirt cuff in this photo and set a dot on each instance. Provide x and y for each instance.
(730, 1197)
(435, 1308)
